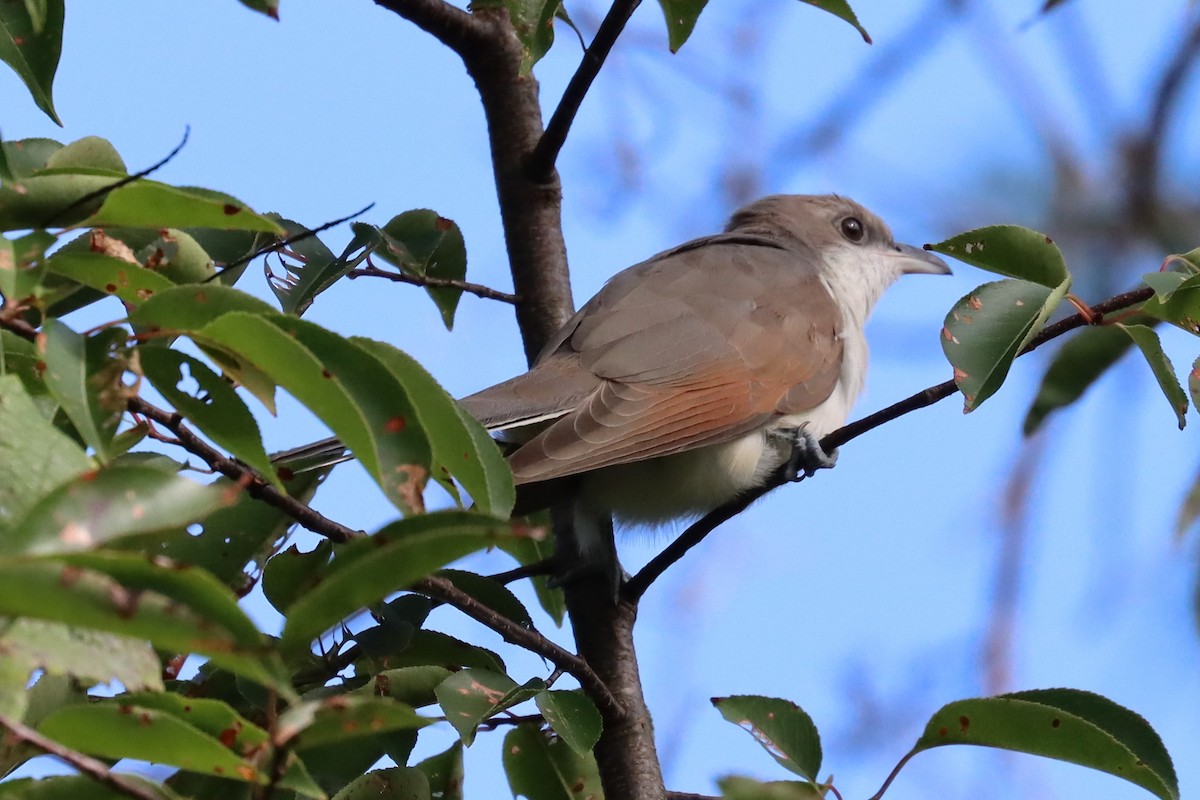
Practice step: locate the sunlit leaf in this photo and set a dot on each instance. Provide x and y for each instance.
(130, 282)
(738, 788)
(1009, 250)
(780, 726)
(460, 445)
(87, 655)
(1147, 340)
(1065, 724)
(1182, 306)
(32, 46)
(413, 686)
(35, 456)
(989, 328)
(108, 504)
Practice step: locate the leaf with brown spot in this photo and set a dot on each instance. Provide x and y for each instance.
(473, 695)
(1065, 724)
(543, 766)
(782, 728)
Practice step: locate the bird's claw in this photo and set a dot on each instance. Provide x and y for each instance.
(807, 455)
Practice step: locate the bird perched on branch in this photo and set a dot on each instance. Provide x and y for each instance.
(697, 374)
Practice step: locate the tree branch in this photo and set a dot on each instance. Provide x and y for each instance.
(244, 476)
(486, 292)
(94, 769)
(544, 156)
(453, 27)
(531, 640)
(636, 586)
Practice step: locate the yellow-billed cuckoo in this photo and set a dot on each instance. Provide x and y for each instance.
(695, 375)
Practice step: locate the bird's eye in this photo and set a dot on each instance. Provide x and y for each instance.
(853, 230)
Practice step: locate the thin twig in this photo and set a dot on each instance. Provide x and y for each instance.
(515, 633)
(94, 769)
(636, 586)
(486, 292)
(101, 192)
(279, 244)
(492, 723)
(542, 159)
(546, 566)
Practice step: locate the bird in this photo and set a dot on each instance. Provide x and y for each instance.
(697, 374)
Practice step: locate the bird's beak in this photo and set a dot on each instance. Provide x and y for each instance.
(914, 260)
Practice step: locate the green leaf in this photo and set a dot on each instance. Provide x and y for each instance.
(231, 537)
(345, 386)
(74, 787)
(423, 243)
(108, 504)
(89, 656)
(368, 570)
(181, 309)
(988, 328)
(389, 783)
(573, 716)
(1147, 340)
(434, 648)
(53, 197)
(842, 10)
(181, 611)
(314, 269)
(210, 403)
(34, 455)
(336, 719)
(681, 16)
(413, 686)
(1164, 284)
(445, 773)
(132, 283)
(460, 445)
(117, 730)
(1194, 383)
(1065, 724)
(150, 204)
(1181, 307)
(541, 767)
(1076, 366)
(24, 157)
(291, 573)
(32, 48)
(268, 7)
(471, 696)
(533, 21)
(86, 381)
(1009, 250)
(735, 787)
(780, 726)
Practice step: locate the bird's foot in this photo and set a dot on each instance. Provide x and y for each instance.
(806, 456)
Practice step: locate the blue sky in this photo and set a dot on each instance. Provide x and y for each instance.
(863, 595)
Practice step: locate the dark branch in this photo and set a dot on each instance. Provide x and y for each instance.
(101, 192)
(514, 633)
(451, 26)
(544, 156)
(253, 483)
(94, 769)
(486, 292)
(633, 590)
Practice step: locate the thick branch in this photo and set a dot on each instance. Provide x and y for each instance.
(695, 533)
(97, 770)
(450, 25)
(514, 633)
(541, 163)
(479, 290)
